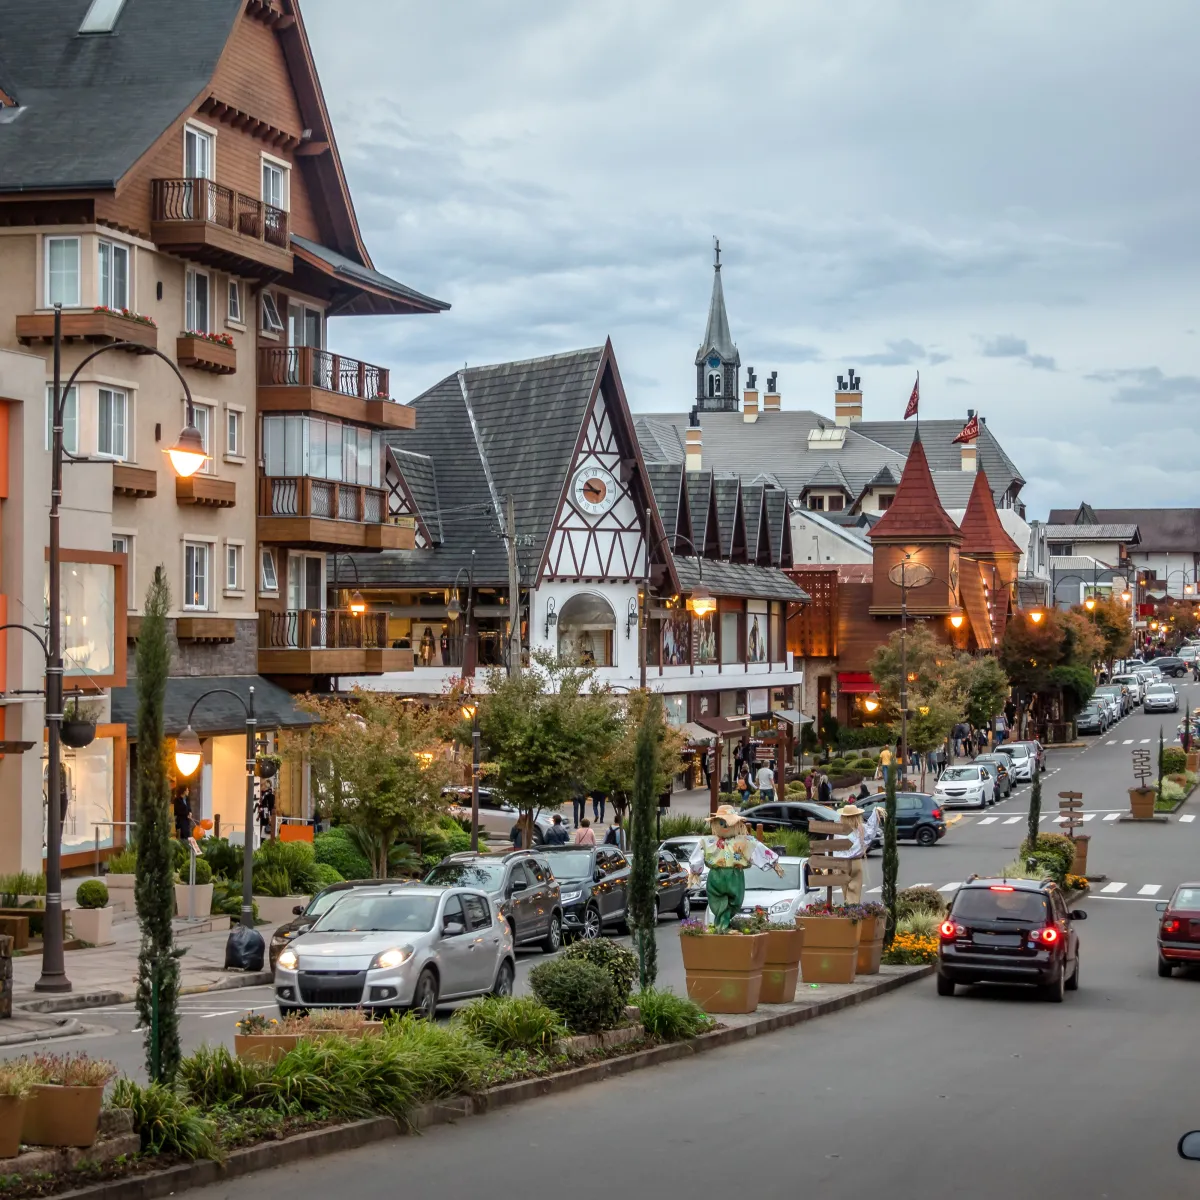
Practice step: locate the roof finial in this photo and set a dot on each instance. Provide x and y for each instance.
(717, 252)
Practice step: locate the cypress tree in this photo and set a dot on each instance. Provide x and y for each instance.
(644, 872)
(1035, 811)
(1162, 759)
(154, 890)
(891, 858)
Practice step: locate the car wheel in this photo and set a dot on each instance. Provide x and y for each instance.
(685, 907)
(1073, 982)
(926, 836)
(1056, 989)
(591, 923)
(553, 942)
(1165, 969)
(425, 995)
(945, 987)
(504, 979)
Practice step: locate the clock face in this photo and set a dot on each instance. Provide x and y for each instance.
(594, 490)
(714, 362)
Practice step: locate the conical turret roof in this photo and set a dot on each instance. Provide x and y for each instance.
(916, 512)
(717, 338)
(981, 528)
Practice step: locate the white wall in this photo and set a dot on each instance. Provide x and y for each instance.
(813, 542)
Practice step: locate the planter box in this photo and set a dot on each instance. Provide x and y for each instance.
(724, 970)
(205, 355)
(204, 895)
(870, 945)
(830, 953)
(1079, 862)
(120, 891)
(61, 1116)
(94, 925)
(781, 965)
(1141, 803)
(264, 1047)
(12, 1115)
(275, 910)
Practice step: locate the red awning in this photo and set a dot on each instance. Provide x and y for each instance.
(856, 681)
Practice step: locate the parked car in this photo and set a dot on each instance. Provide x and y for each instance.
(671, 888)
(1161, 697)
(680, 849)
(1170, 665)
(783, 897)
(792, 814)
(1110, 704)
(1119, 693)
(966, 786)
(1189, 653)
(1179, 929)
(918, 816)
(997, 764)
(1038, 751)
(521, 886)
(1148, 675)
(1134, 686)
(496, 815)
(1092, 718)
(1010, 931)
(307, 914)
(1022, 761)
(400, 947)
(594, 883)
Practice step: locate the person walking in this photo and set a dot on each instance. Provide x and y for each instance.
(516, 836)
(183, 816)
(557, 834)
(584, 835)
(616, 835)
(885, 764)
(861, 834)
(706, 767)
(578, 805)
(766, 784)
(825, 791)
(599, 800)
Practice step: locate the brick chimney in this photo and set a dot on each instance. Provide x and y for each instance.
(692, 445)
(970, 459)
(772, 401)
(750, 397)
(847, 401)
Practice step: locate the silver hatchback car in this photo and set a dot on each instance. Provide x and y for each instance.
(400, 947)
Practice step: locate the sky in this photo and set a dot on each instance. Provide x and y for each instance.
(1000, 194)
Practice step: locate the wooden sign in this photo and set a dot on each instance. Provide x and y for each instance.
(829, 882)
(825, 862)
(1070, 795)
(827, 827)
(1069, 805)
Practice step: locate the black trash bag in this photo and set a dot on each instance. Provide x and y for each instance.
(245, 949)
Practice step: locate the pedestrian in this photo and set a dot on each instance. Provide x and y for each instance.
(825, 791)
(810, 782)
(616, 835)
(743, 782)
(861, 834)
(578, 805)
(981, 740)
(864, 792)
(557, 834)
(706, 767)
(516, 836)
(766, 784)
(183, 816)
(584, 834)
(885, 764)
(599, 799)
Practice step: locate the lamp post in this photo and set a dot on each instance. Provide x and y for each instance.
(187, 759)
(701, 603)
(470, 711)
(455, 609)
(187, 457)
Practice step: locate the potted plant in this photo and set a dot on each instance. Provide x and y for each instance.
(259, 1038)
(121, 877)
(781, 963)
(16, 1080)
(204, 891)
(92, 920)
(79, 723)
(63, 1108)
(724, 970)
(268, 765)
(870, 940)
(830, 952)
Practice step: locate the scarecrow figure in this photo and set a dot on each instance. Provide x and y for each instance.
(861, 835)
(727, 853)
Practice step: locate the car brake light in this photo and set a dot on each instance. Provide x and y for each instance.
(1171, 925)
(1048, 935)
(937, 814)
(999, 887)
(948, 929)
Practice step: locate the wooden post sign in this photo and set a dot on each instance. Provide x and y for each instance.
(1069, 806)
(824, 869)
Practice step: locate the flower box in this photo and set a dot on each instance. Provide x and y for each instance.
(830, 953)
(781, 965)
(870, 944)
(12, 1115)
(204, 895)
(93, 925)
(724, 970)
(264, 1047)
(61, 1116)
(1141, 803)
(203, 354)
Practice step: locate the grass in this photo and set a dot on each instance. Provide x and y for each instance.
(507, 1023)
(671, 1017)
(919, 924)
(166, 1122)
(681, 825)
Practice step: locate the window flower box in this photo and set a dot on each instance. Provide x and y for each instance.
(100, 326)
(207, 352)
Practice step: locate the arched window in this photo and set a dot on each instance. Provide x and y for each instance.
(586, 626)
(714, 383)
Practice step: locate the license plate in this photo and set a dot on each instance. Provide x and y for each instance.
(996, 939)
(1194, 926)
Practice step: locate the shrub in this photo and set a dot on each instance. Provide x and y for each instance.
(920, 899)
(166, 1123)
(335, 848)
(17, 1077)
(671, 1017)
(866, 765)
(867, 737)
(324, 875)
(1018, 870)
(582, 994)
(227, 899)
(442, 1060)
(837, 765)
(91, 894)
(72, 1070)
(213, 1076)
(295, 859)
(619, 961)
(794, 843)
(919, 924)
(506, 1023)
(204, 872)
(1174, 760)
(682, 825)
(124, 863)
(180, 854)
(224, 859)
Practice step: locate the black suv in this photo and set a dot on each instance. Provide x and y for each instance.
(918, 816)
(521, 886)
(1010, 931)
(1170, 665)
(306, 914)
(594, 882)
(788, 814)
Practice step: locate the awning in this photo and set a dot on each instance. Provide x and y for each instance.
(697, 733)
(856, 681)
(792, 716)
(724, 726)
(274, 708)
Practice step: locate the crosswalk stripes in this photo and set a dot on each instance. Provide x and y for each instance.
(950, 887)
(1111, 889)
(1188, 819)
(1011, 820)
(1150, 889)
(989, 820)
(1089, 816)
(1145, 741)
(1111, 816)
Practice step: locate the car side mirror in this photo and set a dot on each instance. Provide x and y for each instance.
(597, 875)
(1077, 915)
(452, 928)
(298, 910)
(1189, 1145)
(1161, 906)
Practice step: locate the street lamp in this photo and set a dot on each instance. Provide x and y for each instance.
(701, 601)
(956, 619)
(187, 759)
(1036, 615)
(187, 456)
(454, 609)
(470, 712)
(1090, 603)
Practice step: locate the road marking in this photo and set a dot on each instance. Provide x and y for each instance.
(989, 820)
(870, 891)
(1012, 820)
(1111, 889)
(1112, 816)
(1129, 741)
(1151, 889)
(950, 887)
(1090, 816)
(1188, 819)
(1145, 741)
(953, 819)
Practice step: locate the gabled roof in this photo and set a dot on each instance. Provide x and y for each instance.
(1103, 532)
(980, 527)
(830, 475)
(420, 476)
(717, 338)
(756, 521)
(780, 527)
(730, 517)
(943, 455)
(916, 511)
(666, 481)
(701, 500)
(1159, 529)
(360, 279)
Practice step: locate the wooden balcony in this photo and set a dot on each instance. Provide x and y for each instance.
(219, 227)
(206, 491)
(304, 379)
(138, 483)
(319, 514)
(100, 327)
(203, 354)
(308, 642)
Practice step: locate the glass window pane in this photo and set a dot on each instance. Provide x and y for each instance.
(333, 443)
(120, 277)
(317, 455)
(62, 271)
(377, 459)
(292, 457)
(349, 455)
(730, 649)
(70, 419)
(364, 456)
(106, 273)
(89, 597)
(273, 445)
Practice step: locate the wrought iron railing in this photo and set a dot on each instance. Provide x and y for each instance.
(214, 204)
(322, 629)
(300, 496)
(306, 366)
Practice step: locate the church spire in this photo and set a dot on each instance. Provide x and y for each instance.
(717, 360)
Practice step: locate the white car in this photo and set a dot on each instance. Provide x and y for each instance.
(1022, 761)
(680, 849)
(1134, 684)
(1161, 697)
(782, 898)
(966, 787)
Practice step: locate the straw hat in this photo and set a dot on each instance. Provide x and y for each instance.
(850, 810)
(726, 815)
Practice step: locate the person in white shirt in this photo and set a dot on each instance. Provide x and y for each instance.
(766, 784)
(860, 834)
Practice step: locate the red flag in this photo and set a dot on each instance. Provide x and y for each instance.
(914, 399)
(970, 431)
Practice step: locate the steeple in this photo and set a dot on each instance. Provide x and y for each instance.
(717, 360)
(916, 513)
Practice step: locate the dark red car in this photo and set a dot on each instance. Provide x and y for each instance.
(1179, 929)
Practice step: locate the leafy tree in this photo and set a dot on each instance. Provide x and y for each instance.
(932, 719)
(616, 772)
(1035, 807)
(1111, 619)
(928, 662)
(891, 859)
(652, 731)
(985, 687)
(1056, 654)
(154, 887)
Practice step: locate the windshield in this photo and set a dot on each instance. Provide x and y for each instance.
(1016, 751)
(952, 774)
(1161, 689)
(680, 850)
(366, 914)
(570, 864)
(1186, 898)
(765, 879)
(983, 904)
(1127, 680)
(324, 902)
(486, 875)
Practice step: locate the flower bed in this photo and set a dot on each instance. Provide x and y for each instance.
(911, 949)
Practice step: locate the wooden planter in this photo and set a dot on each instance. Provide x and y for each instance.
(870, 945)
(1141, 803)
(1079, 862)
(12, 1114)
(205, 355)
(830, 953)
(781, 965)
(61, 1116)
(92, 925)
(724, 970)
(204, 895)
(264, 1047)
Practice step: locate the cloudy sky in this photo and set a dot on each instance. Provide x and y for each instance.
(999, 193)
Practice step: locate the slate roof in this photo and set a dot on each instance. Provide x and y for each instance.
(94, 103)
(980, 526)
(728, 488)
(346, 268)
(1105, 532)
(943, 455)
(1159, 529)
(778, 523)
(830, 475)
(716, 333)
(274, 708)
(699, 485)
(752, 510)
(739, 579)
(916, 510)
(666, 483)
(420, 473)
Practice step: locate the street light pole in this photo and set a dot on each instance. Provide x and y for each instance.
(475, 776)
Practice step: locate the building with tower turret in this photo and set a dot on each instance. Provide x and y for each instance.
(717, 360)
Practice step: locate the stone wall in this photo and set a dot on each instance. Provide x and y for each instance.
(239, 657)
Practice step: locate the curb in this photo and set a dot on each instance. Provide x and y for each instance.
(102, 999)
(321, 1142)
(65, 1028)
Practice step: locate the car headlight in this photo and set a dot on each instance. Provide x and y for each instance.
(780, 906)
(287, 960)
(388, 960)
(571, 897)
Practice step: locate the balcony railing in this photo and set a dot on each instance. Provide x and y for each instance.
(204, 200)
(300, 496)
(306, 366)
(322, 629)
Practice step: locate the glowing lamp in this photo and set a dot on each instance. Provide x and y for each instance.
(468, 712)
(358, 605)
(1125, 596)
(1090, 603)
(956, 619)
(187, 752)
(702, 602)
(870, 705)
(1036, 616)
(454, 609)
(187, 455)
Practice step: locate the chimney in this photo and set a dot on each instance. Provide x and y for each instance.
(970, 460)
(692, 444)
(750, 397)
(772, 401)
(847, 402)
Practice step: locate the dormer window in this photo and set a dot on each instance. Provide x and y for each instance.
(101, 16)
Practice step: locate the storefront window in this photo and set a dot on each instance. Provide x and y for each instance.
(586, 625)
(675, 633)
(88, 780)
(675, 709)
(705, 638)
(88, 617)
(731, 650)
(756, 631)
